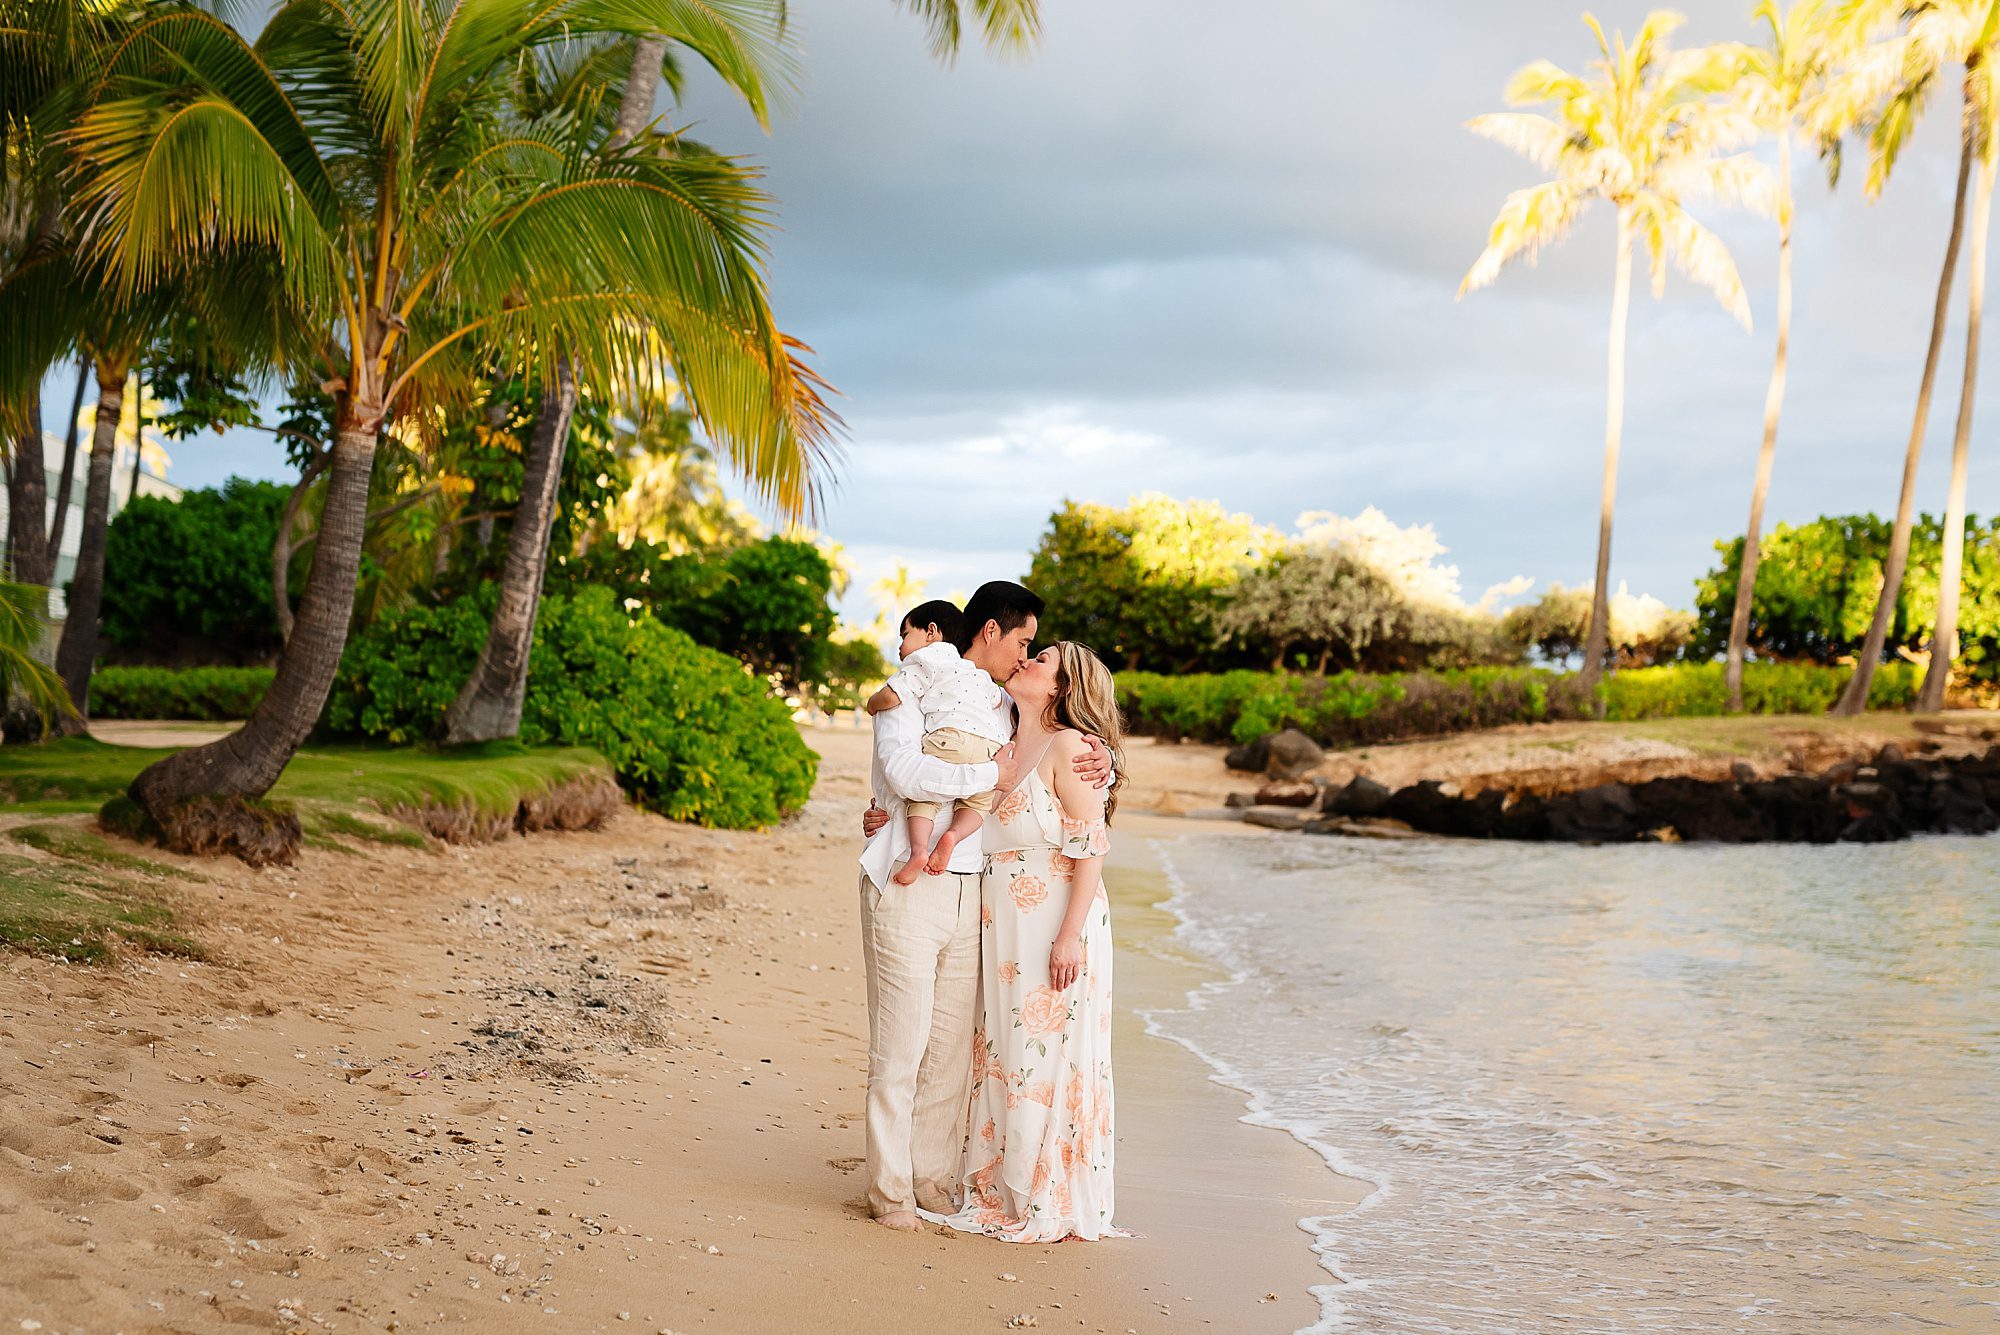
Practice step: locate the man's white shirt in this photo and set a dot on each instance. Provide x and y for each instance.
(902, 773)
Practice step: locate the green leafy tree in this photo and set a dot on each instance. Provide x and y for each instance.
(421, 234)
(1144, 585)
(1641, 131)
(1316, 602)
(189, 581)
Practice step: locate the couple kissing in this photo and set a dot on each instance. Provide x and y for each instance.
(985, 928)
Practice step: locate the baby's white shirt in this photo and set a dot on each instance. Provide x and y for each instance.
(952, 693)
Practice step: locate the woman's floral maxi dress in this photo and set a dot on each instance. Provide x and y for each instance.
(1038, 1157)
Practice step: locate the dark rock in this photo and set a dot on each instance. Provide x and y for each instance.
(1845, 772)
(1698, 811)
(1743, 772)
(1890, 754)
(1961, 806)
(1362, 797)
(1800, 809)
(1252, 757)
(1278, 818)
(1296, 793)
(1240, 800)
(1604, 814)
(1292, 755)
(1362, 829)
(1525, 817)
(1426, 806)
(1877, 827)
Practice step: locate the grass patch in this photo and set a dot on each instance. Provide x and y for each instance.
(325, 829)
(77, 912)
(80, 845)
(69, 774)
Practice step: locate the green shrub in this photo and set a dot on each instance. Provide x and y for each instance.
(691, 733)
(192, 578)
(209, 693)
(1691, 690)
(1359, 709)
(764, 602)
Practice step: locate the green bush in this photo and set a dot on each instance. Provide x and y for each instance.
(764, 602)
(1691, 690)
(1358, 709)
(208, 693)
(691, 733)
(191, 579)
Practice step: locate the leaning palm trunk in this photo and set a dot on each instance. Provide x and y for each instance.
(1596, 642)
(1855, 698)
(1944, 639)
(488, 706)
(59, 524)
(1774, 402)
(76, 657)
(248, 761)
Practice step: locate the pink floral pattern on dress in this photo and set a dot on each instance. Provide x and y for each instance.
(1039, 1162)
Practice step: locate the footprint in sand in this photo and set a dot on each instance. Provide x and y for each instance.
(846, 1165)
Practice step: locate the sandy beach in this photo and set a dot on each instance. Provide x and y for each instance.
(576, 1082)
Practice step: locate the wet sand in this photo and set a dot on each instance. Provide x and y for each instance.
(574, 1083)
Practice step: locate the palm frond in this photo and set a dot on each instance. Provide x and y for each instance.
(1530, 219)
(1672, 235)
(23, 625)
(1537, 138)
(1004, 25)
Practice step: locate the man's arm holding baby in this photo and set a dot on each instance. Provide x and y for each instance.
(916, 777)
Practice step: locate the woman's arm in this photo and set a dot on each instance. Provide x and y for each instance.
(1081, 801)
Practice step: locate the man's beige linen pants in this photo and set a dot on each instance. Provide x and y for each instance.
(920, 945)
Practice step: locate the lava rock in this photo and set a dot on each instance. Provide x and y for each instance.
(1291, 755)
(1362, 797)
(1604, 814)
(1295, 793)
(1251, 757)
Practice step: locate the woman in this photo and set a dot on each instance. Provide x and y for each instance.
(1038, 1163)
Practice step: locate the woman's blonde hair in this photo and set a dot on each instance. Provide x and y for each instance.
(1086, 699)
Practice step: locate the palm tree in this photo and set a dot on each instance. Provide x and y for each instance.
(23, 675)
(1789, 88)
(1905, 71)
(1971, 32)
(895, 594)
(1642, 132)
(488, 706)
(363, 151)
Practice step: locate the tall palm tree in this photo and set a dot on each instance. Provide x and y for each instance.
(364, 152)
(1972, 31)
(489, 705)
(1641, 131)
(895, 594)
(1791, 88)
(1907, 70)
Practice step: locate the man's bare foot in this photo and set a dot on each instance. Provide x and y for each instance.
(903, 1221)
(908, 872)
(940, 862)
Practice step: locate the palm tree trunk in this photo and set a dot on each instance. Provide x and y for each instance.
(58, 525)
(1944, 639)
(248, 761)
(76, 656)
(28, 558)
(138, 431)
(1855, 698)
(1599, 634)
(489, 704)
(1774, 402)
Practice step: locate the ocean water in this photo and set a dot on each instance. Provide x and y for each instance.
(1644, 1088)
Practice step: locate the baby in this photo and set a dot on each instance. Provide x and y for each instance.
(960, 706)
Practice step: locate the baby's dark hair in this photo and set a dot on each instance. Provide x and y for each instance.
(937, 612)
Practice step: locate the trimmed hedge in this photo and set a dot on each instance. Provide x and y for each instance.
(691, 732)
(205, 693)
(1359, 709)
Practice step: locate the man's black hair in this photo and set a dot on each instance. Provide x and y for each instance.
(1003, 601)
(937, 612)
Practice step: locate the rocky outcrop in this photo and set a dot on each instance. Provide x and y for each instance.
(1890, 798)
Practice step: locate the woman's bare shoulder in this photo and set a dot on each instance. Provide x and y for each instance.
(1069, 744)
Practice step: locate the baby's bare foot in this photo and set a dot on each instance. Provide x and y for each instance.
(907, 873)
(903, 1221)
(940, 861)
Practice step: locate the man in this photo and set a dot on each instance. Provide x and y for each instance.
(920, 943)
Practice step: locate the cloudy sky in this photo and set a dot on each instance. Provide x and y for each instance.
(1217, 257)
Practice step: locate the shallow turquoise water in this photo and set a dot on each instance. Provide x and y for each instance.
(1621, 1089)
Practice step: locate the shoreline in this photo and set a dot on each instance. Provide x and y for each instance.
(580, 1082)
